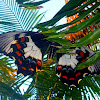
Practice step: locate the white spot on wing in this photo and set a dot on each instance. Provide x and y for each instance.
(35, 47)
(67, 56)
(30, 43)
(76, 48)
(27, 49)
(27, 54)
(74, 51)
(64, 60)
(60, 61)
(72, 64)
(22, 35)
(68, 60)
(33, 54)
(40, 56)
(74, 60)
(37, 54)
(32, 50)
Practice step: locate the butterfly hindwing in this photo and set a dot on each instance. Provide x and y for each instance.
(73, 77)
(67, 62)
(26, 48)
(24, 55)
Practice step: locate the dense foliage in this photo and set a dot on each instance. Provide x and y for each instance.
(45, 85)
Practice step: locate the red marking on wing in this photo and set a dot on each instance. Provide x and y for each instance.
(24, 68)
(38, 63)
(72, 79)
(19, 61)
(18, 53)
(65, 77)
(83, 60)
(22, 39)
(18, 46)
(78, 74)
(59, 67)
(31, 69)
(82, 53)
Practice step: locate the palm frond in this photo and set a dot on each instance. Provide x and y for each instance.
(67, 10)
(14, 18)
(21, 1)
(45, 83)
(89, 86)
(31, 4)
(7, 92)
(21, 19)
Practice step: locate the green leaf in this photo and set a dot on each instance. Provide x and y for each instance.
(43, 83)
(61, 41)
(90, 61)
(6, 90)
(5, 23)
(68, 13)
(32, 5)
(35, 3)
(12, 13)
(82, 15)
(88, 38)
(21, 1)
(83, 25)
(70, 6)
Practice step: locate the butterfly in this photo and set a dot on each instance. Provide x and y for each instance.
(27, 49)
(66, 64)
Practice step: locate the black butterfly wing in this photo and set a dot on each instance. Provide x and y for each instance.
(6, 40)
(73, 77)
(66, 64)
(26, 48)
